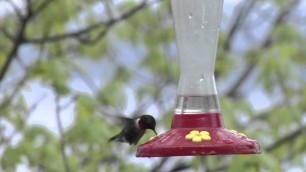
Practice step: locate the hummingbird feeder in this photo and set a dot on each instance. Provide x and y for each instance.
(197, 126)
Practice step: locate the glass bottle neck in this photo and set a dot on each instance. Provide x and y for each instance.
(205, 104)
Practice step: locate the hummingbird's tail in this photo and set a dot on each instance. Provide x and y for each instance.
(116, 138)
(113, 139)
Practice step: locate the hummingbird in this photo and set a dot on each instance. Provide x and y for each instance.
(134, 129)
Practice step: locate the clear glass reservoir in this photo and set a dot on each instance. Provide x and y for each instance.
(197, 26)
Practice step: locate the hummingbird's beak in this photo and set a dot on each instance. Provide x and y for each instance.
(154, 131)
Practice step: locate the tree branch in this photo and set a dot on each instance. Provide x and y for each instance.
(70, 102)
(14, 50)
(288, 138)
(181, 166)
(5, 141)
(241, 16)
(16, 10)
(18, 85)
(157, 167)
(263, 115)
(61, 133)
(8, 100)
(284, 12)
(19, 39)
(80, 33)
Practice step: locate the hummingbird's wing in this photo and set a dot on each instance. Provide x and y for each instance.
(126, 121)
(119, 120)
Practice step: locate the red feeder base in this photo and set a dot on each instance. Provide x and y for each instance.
(221, 141)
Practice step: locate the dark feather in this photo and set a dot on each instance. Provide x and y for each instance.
(130, 133)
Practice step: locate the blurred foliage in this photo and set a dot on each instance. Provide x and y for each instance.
(97, 78)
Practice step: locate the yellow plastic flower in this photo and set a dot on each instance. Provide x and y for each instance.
(198, 136)
(151, 138)
(234, 131)
(240, 134)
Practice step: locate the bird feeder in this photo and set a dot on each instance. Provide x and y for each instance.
(197, 126)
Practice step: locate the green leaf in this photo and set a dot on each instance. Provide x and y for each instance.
(113, 94)
(262, 162)
(51, 20)
(31, 133)
(143, 92)
(10, 158)
(155, 61)
(123, 74)
(85, 107)
(286, 34)
(95, 51)
(54, 72)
